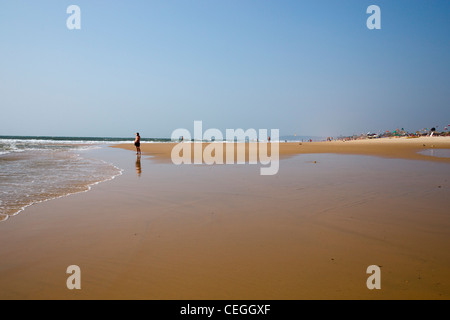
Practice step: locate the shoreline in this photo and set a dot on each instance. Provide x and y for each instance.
(399, 148)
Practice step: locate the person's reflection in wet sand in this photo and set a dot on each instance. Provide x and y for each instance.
(138, 165)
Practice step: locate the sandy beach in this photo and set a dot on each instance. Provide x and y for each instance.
(161, 231)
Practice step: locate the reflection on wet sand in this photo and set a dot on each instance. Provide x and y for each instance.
(138, 165)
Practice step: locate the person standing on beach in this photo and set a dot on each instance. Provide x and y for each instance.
(137, 143)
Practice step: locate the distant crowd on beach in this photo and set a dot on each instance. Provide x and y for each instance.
(432, 132)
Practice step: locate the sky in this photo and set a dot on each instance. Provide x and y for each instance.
(304, 67)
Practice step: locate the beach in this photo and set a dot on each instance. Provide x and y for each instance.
(240, 152)
(161, 231)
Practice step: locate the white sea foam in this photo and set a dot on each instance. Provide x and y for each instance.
(4, 217)
(39, 174)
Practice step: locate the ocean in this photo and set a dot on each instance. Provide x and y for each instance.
(36, 169)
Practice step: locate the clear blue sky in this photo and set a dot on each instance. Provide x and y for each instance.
(306, 67)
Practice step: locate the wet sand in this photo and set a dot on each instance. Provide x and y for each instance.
(162, 231)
